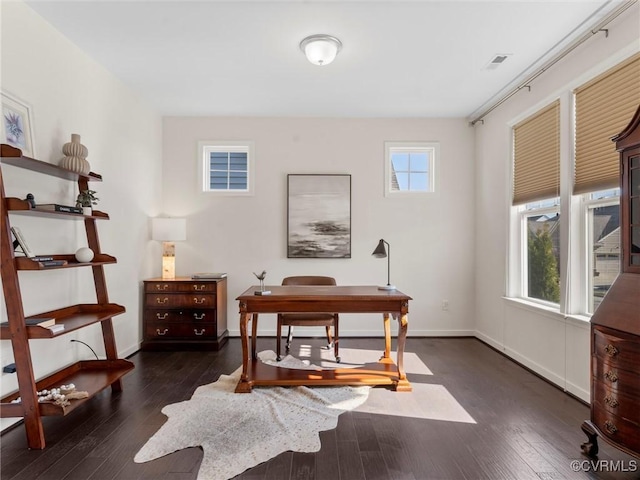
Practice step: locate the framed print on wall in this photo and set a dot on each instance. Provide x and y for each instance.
(318, 216)
(17, 124)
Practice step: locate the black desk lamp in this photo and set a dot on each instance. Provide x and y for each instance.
(381, 252)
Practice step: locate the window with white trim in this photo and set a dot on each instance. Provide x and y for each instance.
(585, 240)
(536, 190)
(226, 167)
(410, 167)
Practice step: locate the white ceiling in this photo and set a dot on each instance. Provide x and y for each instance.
(418, 58)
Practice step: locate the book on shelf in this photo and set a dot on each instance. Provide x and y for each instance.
(58, 327)
(55, 207)
(42, 258)
(208, 275)
(37, 322)
(53, 263)
(20, 241)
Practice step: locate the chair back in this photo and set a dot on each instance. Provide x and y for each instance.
(309, 280)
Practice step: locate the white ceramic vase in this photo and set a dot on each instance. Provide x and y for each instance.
(75, 158)
(84, 255)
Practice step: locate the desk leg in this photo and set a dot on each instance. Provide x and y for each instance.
(403, 384)
(244, 386)
(386, 357)
(254, 336)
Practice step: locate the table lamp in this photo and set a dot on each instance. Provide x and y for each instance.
(381, 252)
(168, 231)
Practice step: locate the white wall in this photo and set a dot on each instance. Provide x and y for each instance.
(431, 238)
(70, 93)
(547, 342)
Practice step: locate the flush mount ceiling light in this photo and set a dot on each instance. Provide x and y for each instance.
(321, 49)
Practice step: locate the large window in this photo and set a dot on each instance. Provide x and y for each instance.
(567, 258)
(410, 167)
(227, 167)
(536, 190)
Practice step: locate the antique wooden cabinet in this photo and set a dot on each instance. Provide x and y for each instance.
(615, 325)
(184, 313)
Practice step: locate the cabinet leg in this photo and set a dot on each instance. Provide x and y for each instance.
(590, 447)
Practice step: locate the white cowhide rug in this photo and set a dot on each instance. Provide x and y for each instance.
(238, 431)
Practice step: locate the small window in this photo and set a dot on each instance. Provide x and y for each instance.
(227, 167)
(409, 167)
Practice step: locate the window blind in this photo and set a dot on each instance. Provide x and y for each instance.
(536, 141)
(604, 106)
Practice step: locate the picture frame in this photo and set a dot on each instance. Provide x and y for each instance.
(318, 216)
(17, 124)
(22, 242)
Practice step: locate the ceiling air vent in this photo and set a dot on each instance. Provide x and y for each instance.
(497, 60)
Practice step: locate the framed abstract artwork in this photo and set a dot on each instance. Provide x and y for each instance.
(17, 129)
(318, 216)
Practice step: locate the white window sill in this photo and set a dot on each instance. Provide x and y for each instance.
(551, 312)
(533, 306)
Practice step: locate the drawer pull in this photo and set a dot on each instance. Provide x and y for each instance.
(610, 427)
(163, 287)
(199, 317)
(199, 288)
(195, 330)
(199, 301)
(162, 317)
(163, 301)
(164, 332)
(611, 350)
(611, 401)
(611, 376)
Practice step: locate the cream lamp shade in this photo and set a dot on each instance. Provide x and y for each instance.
(168, 231)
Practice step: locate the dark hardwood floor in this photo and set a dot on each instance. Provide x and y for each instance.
(474, 414)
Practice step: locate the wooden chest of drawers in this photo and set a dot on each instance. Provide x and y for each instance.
(615, 389)
(184, 314)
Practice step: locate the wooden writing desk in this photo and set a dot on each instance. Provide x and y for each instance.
(324, 299)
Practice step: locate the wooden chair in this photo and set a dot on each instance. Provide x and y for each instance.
(308, 319)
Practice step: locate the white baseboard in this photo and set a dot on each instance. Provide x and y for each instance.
(554, 378)
(579, 392)
(536, 367)
(489, 341)
(129, 350)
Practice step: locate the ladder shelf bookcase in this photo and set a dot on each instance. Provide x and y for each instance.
(91, 376)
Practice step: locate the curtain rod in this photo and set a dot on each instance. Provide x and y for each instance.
(525, 84)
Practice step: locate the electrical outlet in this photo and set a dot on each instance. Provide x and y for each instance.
(445, 305)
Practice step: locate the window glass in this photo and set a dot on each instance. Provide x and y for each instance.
(227, 167)
(409, 167)
(543, 257)
(604, 251)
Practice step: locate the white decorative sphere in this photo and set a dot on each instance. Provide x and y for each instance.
(84, 255)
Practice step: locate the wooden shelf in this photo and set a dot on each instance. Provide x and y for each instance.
(25, 263)
(13, 156)
(91, 376)
(21, 207)
(73, 318)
